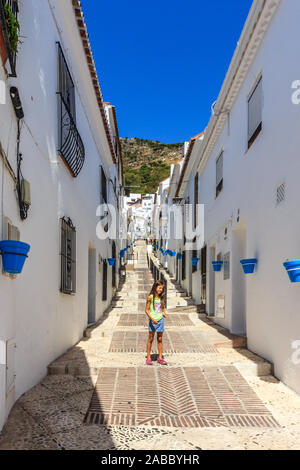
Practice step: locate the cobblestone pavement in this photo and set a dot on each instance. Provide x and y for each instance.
(214, 393)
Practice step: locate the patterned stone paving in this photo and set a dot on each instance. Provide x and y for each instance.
(199, 401)
(142, 320)
(176, 397)
(173, 342)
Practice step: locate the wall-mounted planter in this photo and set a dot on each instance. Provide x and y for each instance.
(179, 256)
(122, 254)
(111, 261)
(217, 265)
(293, 269)
(195, 261)
(248, 265)
(14, 255)
(172, 253)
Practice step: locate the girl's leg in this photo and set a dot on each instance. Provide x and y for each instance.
(160, 345)
(149, 344)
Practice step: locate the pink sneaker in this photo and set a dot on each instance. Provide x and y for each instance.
(149, 362)
(162, 362)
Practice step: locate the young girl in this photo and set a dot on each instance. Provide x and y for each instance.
(155, 309)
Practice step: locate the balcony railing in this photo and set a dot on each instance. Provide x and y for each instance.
(11, 51)
(71, 147)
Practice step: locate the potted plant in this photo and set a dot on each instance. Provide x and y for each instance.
(179, 256)
(293, 269)
(14, 254)
(111, 261)
(248, 265)
(217, 265)
(13, 28)
(195, 261)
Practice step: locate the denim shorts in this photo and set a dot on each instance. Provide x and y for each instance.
(157, 328)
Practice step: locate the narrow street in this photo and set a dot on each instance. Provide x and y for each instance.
(214, 393)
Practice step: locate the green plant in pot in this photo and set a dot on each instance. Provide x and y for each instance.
(13, 27)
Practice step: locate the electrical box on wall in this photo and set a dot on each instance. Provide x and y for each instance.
(25, 192)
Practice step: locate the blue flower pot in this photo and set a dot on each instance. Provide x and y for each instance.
(122, 254)
(195, 261)
(179, 256)
(172, 253)
(217, 265)
(14, 255)
(248, 265)
(293, 270)
(156, 246)
(111, 261)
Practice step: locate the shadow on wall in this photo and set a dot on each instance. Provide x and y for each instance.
(52, 414)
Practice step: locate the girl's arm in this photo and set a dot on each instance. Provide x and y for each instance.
(148, 310)
(164, 312)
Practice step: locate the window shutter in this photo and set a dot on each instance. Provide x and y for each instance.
(255, 111)
(219, 169)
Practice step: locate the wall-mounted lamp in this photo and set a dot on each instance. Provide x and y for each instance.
(15, 98)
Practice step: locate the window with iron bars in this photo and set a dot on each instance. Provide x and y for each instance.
(71, 147)
(68, 256)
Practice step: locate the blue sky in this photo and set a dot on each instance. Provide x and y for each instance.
(162, 63)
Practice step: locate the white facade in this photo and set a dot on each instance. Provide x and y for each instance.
(263, 305)
(254, 214)
(139, 210)
(35, 316)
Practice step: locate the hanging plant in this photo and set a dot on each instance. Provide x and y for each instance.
(13, 27)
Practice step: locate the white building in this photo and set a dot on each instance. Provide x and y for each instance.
(245, 171)
(72, 161)
(139, 211)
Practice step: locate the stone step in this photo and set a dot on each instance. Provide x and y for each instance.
(173, 301)
(252, 368)
(188, 309)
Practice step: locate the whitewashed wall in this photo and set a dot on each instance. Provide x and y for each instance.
(250, 181)
(43, 321)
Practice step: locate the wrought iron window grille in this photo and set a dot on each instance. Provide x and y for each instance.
(71, 147)
(12, 55)
(68, 256)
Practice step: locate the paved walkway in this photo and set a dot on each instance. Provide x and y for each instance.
(214, 394)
